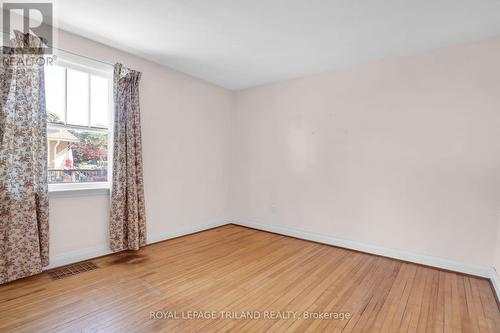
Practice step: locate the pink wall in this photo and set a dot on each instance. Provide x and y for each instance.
(403, 153)
(185, 143)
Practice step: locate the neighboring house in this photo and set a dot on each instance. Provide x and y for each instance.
(59, 145)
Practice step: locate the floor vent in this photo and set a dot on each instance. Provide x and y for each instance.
(72, 270)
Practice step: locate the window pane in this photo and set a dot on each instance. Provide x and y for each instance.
(99, 101)
(78, 98)
(55, 93)
(77, 156)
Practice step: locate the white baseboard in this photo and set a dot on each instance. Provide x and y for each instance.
(89, 253)
(487, 272)
(184, 231)
(495, 281)
(76, 256)
(442, 263)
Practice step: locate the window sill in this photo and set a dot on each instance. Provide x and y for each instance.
(78, 190)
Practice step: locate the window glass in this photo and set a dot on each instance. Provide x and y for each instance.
(78, 97)
(77, 156)
(78, 105)
(55, 93)
(81, 157)
(99, 101)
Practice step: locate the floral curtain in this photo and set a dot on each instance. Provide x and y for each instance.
(24, 226)
(128, 221)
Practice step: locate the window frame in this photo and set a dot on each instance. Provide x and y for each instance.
(90, 67)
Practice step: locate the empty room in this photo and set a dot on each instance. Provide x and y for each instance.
(250, 166)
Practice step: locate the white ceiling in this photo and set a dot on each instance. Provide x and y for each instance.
(243, 43)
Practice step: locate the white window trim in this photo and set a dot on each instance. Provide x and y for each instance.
(92, 67)
(78, 189)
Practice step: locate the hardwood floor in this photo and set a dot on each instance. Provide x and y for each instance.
(234, 271)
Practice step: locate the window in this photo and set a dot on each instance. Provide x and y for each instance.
(79, 104)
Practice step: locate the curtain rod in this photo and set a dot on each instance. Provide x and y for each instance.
(83, 56)
(73, 53)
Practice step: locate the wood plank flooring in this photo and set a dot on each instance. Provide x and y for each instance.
(234, 273)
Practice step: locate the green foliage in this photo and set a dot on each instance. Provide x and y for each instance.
(91, 150)
(53, 118)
